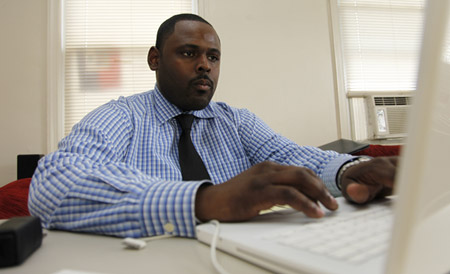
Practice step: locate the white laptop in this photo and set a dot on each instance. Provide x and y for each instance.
(413, 235)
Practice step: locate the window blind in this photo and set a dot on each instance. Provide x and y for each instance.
(105, 50)
(381, 42)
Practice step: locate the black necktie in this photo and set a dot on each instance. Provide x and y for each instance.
(192, 166)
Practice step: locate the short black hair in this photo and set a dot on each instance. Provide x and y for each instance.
(168, 26)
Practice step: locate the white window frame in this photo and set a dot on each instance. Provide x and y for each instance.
(342, 102)
(55, 75)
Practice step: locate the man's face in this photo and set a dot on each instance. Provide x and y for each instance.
(188, 65)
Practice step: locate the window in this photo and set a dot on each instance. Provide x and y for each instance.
(377, 46)
(103, 48)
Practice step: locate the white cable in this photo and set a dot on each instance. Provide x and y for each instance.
(140, 243)
(213, 254)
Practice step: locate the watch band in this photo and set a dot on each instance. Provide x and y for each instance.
(349, 164)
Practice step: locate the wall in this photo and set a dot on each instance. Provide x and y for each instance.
(23, 28)
(276, 62)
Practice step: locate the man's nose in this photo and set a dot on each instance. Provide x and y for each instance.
(203, 64)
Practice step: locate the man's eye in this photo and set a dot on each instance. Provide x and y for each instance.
(213, 58)
(188, 53)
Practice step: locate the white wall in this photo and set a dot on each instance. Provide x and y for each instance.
(276, 62)
(23, 73)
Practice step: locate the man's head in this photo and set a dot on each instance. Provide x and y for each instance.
(186, 59)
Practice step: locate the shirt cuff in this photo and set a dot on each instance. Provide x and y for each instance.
(169, 208)
(330, 173)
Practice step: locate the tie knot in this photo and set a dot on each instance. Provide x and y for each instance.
(185, 121)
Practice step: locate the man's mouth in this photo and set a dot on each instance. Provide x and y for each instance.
(203, 84)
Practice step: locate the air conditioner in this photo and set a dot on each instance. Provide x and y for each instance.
(387, 116)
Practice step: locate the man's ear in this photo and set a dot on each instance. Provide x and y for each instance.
(153, 58)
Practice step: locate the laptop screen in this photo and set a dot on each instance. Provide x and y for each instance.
(421, 238)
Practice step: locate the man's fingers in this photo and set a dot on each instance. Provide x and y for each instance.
(388, 173)
(297, 200)
(306, 182)
(381, 170)
(366, 181)
(361, 194)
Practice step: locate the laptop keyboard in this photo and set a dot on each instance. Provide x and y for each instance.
(353, 237)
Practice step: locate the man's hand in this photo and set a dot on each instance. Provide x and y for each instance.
(261, 187)
(369, 180)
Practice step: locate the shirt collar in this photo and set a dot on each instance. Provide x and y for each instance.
(166, 110)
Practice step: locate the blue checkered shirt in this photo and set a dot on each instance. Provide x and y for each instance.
(117, 172)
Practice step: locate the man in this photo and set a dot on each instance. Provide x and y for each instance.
(120, 171)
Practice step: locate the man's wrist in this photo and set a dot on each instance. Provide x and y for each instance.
(347, 165)
(200, 198)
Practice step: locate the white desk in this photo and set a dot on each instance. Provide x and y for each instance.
(91, 253)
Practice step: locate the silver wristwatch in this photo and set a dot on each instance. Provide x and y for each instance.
(349, 164)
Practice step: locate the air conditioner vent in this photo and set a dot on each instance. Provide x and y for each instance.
(396, 120)
(392, 101)
(387, 116)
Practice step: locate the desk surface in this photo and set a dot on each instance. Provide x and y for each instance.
(100, 254)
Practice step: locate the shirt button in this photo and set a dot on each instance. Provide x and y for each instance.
(169, 227)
